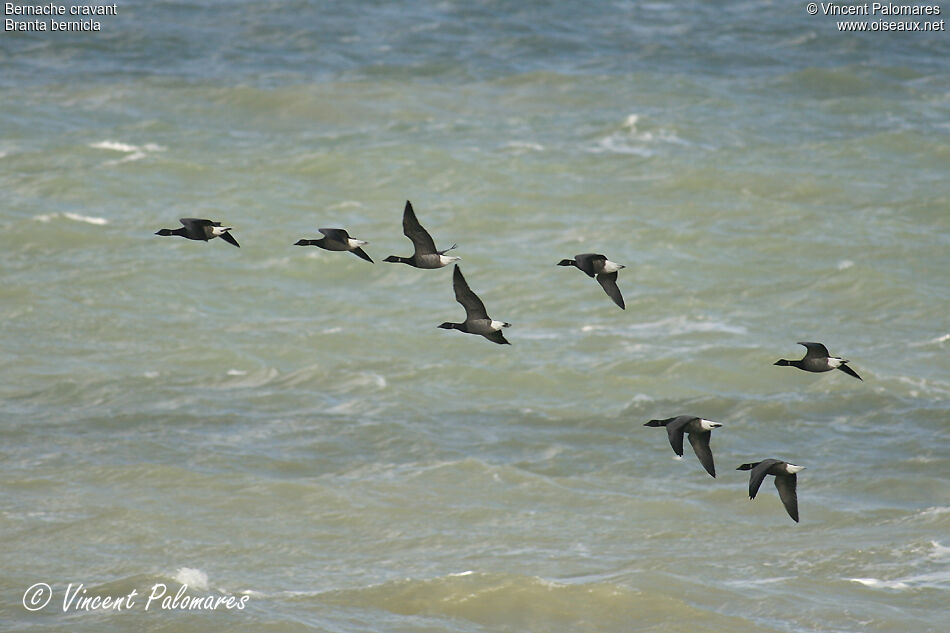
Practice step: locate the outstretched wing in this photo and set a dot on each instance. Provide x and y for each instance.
(474, 308)
(815, 350)
(337, 235)
(758, 474)
(414, 231)
(586, 262)
(609, 282)
(675, 430)
(787, 485)
(359, 252)
(227, 237)
(497, 337)
(197, 222)
(700, 442)
(850, 372)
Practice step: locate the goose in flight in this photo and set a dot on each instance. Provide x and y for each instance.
(476, 320)
(595, 265)
(818, 360)
(198, 229)
(699, 432)
(338, 240)
(425, 255)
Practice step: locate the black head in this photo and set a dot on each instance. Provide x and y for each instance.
(656, 423)
(302, 243)
(448, 326)
(393, 259)
(782, 362)
(748, 466)
(164, 232)
(566, 262)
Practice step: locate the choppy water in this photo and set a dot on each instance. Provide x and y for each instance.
(288, 424)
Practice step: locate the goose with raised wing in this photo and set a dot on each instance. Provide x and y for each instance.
(425, 255)
(817, 359)
(476, 320)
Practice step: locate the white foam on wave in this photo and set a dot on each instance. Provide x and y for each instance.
(88, 219)
(134, 152)
(934, 511)
(194, 578)
(939, 552)
(630, 140)
(347, 204)
(521, 147)
(845, 264)
(117, 146)
(876, 583)
(684, 325)
(114, 146)
(237, 372)
(46, 218)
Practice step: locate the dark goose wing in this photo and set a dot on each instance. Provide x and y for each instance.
(359, 252)
(227, 237)
(190, 222)
(198, 228)
(336, 235)
(758, 474)
(815, 350)
(850, 372)
(675, 430)
(787, 485)
(609, 282)
(414, 231)
(700, 442)
(588, 262)
(474, 308)
(497, 337)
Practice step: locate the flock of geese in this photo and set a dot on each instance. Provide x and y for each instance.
(697, 430)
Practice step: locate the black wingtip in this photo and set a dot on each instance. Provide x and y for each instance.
(359, 252)
(850, 372)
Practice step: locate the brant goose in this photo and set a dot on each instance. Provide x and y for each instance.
(425, 255)
(476, 320)
(599, 266)
(197, 229)
(785, 481)
(338, 240)
(699, 431)
(817, 360)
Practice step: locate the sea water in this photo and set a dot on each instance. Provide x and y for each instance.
(287, 427)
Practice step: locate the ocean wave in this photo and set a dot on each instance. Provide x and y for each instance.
(46, 218)
(526, 603)
(134, 152)
(629, 139)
